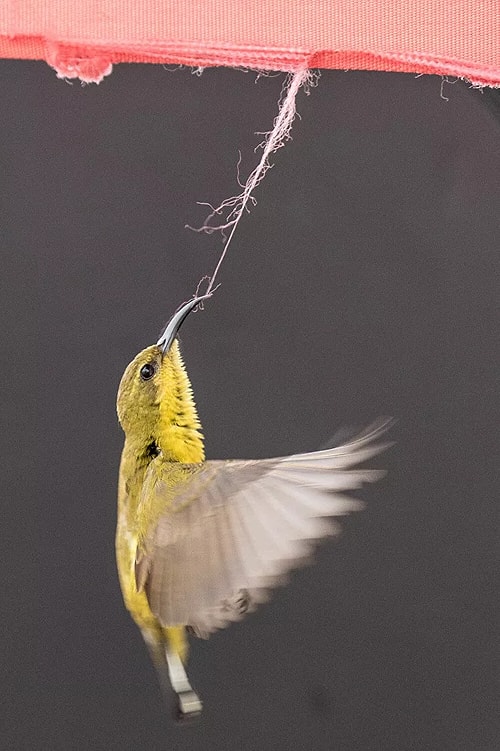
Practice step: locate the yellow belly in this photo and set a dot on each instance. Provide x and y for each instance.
(137, 602)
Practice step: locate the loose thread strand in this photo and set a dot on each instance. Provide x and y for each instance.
(237, 205)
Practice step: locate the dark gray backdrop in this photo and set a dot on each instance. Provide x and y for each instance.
(365, 282)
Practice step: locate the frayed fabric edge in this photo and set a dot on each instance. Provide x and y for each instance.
(92, 63)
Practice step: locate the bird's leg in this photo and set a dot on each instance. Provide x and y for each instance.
(168, 649)
(189, 704)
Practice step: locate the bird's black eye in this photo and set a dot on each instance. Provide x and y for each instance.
(147, 371)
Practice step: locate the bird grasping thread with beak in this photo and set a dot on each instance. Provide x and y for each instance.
(200, 543)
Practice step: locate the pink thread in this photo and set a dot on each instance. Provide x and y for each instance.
(234, 207)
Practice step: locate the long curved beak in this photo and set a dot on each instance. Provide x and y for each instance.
(172, 328)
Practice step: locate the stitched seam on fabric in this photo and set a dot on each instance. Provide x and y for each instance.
(214, 51)
(255, 56)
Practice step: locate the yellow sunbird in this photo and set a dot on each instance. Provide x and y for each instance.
(200, 543)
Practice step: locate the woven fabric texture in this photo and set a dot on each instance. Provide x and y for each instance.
(83, 38)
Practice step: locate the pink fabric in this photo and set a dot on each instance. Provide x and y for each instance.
(83, 38)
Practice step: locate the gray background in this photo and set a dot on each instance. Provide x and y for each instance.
(364, 283)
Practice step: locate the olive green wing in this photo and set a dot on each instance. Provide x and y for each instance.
(231, 530)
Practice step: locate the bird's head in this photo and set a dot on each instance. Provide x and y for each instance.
(155, 401)
(139, 391)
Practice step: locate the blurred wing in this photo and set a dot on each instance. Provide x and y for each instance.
(235, 528)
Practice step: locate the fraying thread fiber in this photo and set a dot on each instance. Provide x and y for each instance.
(231, 209)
